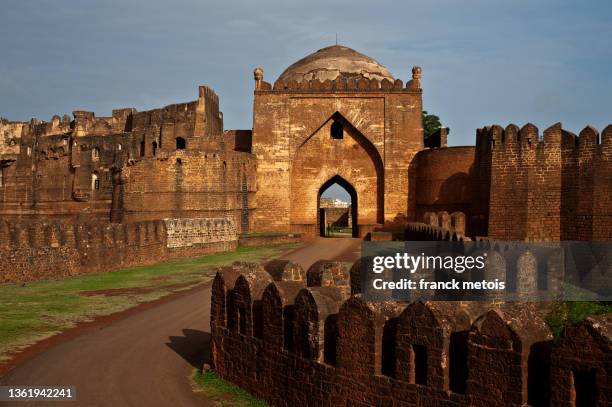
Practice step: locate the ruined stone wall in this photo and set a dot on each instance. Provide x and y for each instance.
(552, 188)
(191, 184)
(295, 341)
(194, 122)
(582, 364)
(382, 131)
(51, 173)
(445, 180)
(33, 250)
(82, 168)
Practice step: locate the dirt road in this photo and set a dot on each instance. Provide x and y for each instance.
(342, 249)
(146, 358)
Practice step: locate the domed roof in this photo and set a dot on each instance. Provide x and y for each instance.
(333, 62)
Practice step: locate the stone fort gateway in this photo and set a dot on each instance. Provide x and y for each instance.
(86, 193)
(335, 116)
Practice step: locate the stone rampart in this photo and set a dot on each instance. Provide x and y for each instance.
(295, 342)
(32, 250)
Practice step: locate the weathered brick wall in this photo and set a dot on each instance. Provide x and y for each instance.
(128, 167)
(481, 187)
(582, 364)
(86, 168)
(193, 121)
(554, 188)
(51, 173)
(445, 180)
(194, 232)
(34, 250)
(315, 346)
(382, 131)
(191, 184)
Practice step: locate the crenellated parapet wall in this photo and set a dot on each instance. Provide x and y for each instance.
(554, 186)
(379, 129)
(34, 250)
(440, 226)
(342, 84)
(295, 341)
(527, 272)
(581, 364)
(530, 270)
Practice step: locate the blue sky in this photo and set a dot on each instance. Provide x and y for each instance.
(484, 61)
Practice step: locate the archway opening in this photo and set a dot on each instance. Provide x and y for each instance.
(337, 209)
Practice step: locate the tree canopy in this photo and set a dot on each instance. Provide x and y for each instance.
(431, 124)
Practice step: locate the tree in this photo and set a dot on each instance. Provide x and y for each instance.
(431, 124)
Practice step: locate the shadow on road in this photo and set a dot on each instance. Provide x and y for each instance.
(193, 346)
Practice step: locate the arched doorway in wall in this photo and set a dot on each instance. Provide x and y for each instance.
(336, 151)
(337, 208)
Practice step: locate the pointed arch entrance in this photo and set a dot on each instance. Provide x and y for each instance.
(336, 152)
(352, 209)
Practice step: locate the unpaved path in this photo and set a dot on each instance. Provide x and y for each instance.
(147, 357)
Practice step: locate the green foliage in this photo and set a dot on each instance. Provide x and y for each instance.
(223, 393)
(572, 312)
(431, 124)
(37, 310)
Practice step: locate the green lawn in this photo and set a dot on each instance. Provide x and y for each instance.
(223, 393)
(37, 310)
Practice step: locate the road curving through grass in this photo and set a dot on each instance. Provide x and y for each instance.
(35, 311)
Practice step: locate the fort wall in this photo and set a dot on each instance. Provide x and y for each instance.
(445, 180)
(550, 187)
(294, 150)
(33, 250)
(190, 184)
(81, 168)
(292, 342)
(52, 171)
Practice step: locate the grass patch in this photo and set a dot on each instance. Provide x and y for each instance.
(38, 310)
(339, 229)
(572, 312)
(223, 393)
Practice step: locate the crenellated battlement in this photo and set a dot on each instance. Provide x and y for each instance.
(444, 226)
(529, 272)
(342, 84)
(529, 137)
(268, 332)
(552, 185)
(33, 250)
